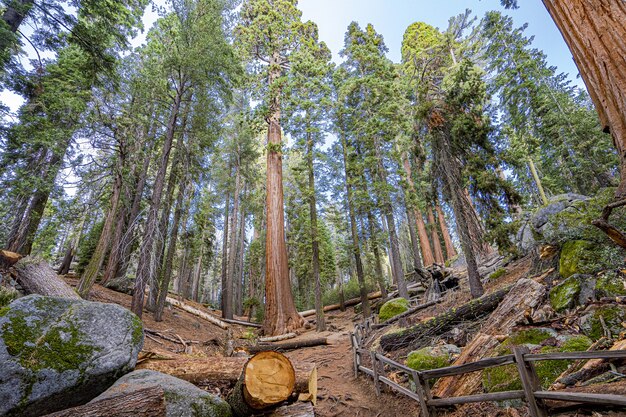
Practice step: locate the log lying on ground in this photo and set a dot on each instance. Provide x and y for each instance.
(268, 379)
(147, 402)
(35, 276)
(293, 410)
(281, 347)
(525, 295)
(590, 369)
(407, 313)
(196, 312)
(348, 303)
(220, 369)
(242, 323)
(418, 335)
(278, 338)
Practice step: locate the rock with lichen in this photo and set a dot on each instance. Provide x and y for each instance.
(604, 320)
(57, 353)
(392, 308)
(182, 399)
(432, 357)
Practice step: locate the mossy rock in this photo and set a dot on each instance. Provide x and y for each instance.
(613, 317)
(577, 257)
(610, 284)
(528, 337)
(58, 353)
(565, 294)
(392, 308)
(430, 357)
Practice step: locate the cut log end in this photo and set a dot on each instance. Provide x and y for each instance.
(269, 379)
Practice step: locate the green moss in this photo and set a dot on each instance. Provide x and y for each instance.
(577, 257)
(60, 347)
(392, 308)
(613, 317)
(6, 296)
(497, 274)
(4, 311)
(209, 406)
(137, 330)
(427, 358)
(531, 337)
(576, 344)
(501, 378)
(564, 295)
(610, 284)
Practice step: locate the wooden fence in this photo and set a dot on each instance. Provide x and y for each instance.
(521, 357)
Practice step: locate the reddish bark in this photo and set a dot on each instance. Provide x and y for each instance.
(445, 231)
(435, 237)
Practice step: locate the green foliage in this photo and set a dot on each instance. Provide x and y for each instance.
(7, 295)
(497, 273)
(392, 308)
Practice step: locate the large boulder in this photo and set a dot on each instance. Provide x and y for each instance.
(392, 308)
(57, 353)
(182, 399)
(432, 357)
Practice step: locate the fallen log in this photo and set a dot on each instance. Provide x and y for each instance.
(406, 313)
(268, 379)
(590, 369)
(35, 276)
(347, 303)
(278, 338)
(281, 347)
(600, 344)
(525, 295)
(418, 335)
(147, 402)
(196, 312)
(242, 323)
(200, 370)
(8, 258)
(293, 410)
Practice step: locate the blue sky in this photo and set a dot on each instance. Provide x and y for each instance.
(391, 17)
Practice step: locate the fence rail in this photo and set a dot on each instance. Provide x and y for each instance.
(521, 357)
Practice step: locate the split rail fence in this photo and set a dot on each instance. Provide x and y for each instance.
(521, 357)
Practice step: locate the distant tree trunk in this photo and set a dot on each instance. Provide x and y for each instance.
(377, 261)
(145, 267)
(281, 315)
(229, 289)
(15, 13)
(475, 226)
(356, 250)
(427, 253)
(595, 31)
(445, 231)
(533, 171)
(435, 237)
(462, 210)
(95, 263)
(415, 248)
(169, 257)
(241, 251)
(320, 323)
(71, 249)
(394, 246)
(225, 292)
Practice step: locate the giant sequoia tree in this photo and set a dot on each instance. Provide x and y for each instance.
(268, 34)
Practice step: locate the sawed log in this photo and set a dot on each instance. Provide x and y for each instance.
(147, 402)
(223, 369)
(267, 380)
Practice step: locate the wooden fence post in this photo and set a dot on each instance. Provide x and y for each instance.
(530, 382)
(421, 393)
(375, 370)
(355, 354)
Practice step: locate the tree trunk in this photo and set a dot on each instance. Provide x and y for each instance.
(415, 249)
(35, 276)
(281, 315)
(169, 257)
(15, 12)
(225, 292)
(192, 310)
(147, 402)
(356, 250)
(377, 261)
(594, 30)
(421, 334)
(240, 276)
(435, 237)
(447, 240)
(232, 249)
(95, 263)
(320, 323)
(145, 267)
(221, 369)
(267, 380)
(347, 303)
(283, 346)
(427, 253)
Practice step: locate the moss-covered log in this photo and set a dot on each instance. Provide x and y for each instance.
(267, 380)
(148, 402)
(419, 335)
